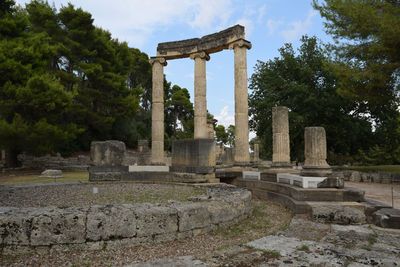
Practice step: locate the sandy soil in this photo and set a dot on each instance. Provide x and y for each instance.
(379, 192)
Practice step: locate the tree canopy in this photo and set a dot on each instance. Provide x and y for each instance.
(303, 84)
(367, 34)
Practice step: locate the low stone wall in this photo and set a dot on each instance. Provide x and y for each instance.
(40, 230)
(369, 177)
(79, 163)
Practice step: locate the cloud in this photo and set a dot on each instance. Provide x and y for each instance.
(261, 13)
(224, 118)
(298, 28)
(135, 21)
(273, 25)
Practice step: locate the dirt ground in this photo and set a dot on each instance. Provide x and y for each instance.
(379, 192)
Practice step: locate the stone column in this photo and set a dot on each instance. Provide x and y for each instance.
(157, 111)
(280, 137)
(242, 155)
(256, 157)
(315, 153)
(200, 91)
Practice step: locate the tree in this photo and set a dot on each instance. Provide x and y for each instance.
(33, 102)
(308, 89)
(367, 48)
(221, 134)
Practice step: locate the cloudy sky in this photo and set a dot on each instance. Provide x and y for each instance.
(145, 23)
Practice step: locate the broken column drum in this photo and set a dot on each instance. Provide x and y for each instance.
(315, 153)
(256, 157)
(280, 137)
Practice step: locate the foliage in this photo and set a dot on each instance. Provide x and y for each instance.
(308, 89)
(367, 35)
(221, 134)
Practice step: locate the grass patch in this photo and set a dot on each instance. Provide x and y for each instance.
(372, 239)
(377, 168)
(267, 218)
(272, 254)
(303, 248)
(34, 178)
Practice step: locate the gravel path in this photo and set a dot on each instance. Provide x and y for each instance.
(379, 192)
(82, 194)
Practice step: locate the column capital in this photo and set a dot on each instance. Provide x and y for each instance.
(160, 60)
(201, 54)
(240, 43)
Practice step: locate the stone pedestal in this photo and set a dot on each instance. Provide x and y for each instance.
(242, 155)
(256, 157)
(157, 111)
(200, 91)
(315, 153)
(280, 137)
(143, 146)
(193, 156)
(107, 158)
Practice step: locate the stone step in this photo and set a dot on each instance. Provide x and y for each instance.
(305, 194)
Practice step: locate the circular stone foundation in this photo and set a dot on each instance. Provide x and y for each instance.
(120, 220)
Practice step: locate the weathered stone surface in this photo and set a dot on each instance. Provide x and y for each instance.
(337, 214)
(153, 219)
(242, 155)
(110, 222)
(193, 153)
(51, 174)
(107, 173)
(315, 152)
(210, 43)
(57, 226)
(256, 156)
(107, 153)
(192, 216)
(15, 225)
(387, 218)
(115, 226)
(332, 182)
(280, 137)
(355, 177)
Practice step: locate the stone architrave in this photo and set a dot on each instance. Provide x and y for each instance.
(157, 110)
(256, 157)
(242, 155)
(315, 153)
(280, 137)
(200, 92)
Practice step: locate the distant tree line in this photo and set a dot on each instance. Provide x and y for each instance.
(351, 87)
(65, 82)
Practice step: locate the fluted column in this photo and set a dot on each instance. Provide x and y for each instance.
(157, 111)
(200, 92)
(315, 152)
(242, 155)
(280, 137)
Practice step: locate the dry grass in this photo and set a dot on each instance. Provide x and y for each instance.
(34, 178)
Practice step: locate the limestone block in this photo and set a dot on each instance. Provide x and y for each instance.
(332, 182)
(109, 222)
(152, 219)
(107, 153)
(387, 218)
(355, 177)
(192, 216)
(14, 226)
(338, 214)
(57, 226)
(220, 212)
(51, 174)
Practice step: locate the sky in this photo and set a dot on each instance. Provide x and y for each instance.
(269, 24)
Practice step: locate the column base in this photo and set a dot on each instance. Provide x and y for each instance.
(158, 164)
(282, 165)
(316, 171)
